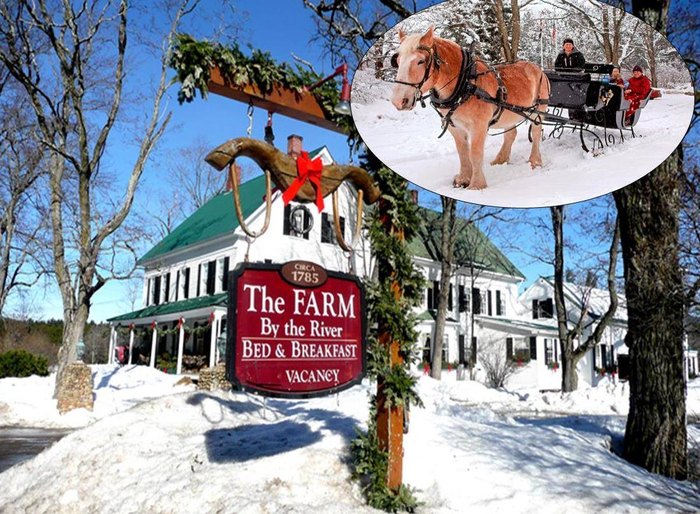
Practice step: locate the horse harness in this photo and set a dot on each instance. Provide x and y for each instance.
(465, 89)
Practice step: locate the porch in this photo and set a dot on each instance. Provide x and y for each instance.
(176, 337)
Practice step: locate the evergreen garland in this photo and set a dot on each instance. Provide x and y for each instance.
(193, 60)
(394, 264)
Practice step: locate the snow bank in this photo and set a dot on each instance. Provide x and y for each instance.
(232, 452)
(28, 401)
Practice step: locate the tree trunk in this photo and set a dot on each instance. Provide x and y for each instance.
(73, 329)
(655, 437)
(447, 251)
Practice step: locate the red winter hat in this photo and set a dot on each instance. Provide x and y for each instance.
(638, 68)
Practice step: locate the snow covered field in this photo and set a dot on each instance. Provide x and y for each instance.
(471, 449)
(407, 143)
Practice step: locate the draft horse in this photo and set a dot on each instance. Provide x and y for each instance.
(471, 97)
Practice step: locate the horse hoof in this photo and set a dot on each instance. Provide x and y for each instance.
(497, 162)
(535, 164)
(477, 186)
(460, 183)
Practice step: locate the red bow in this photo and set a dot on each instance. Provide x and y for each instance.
(307, 169)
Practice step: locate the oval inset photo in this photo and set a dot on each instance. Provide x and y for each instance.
(546, 106)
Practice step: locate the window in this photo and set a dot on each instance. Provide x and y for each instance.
(426, 350)
(166, 296)
(519, 349)
(445, 349)
(433, 295)
(328, 229)
(301, 218)
(186, 291)
(463, 299)
(156, 291)
(548, 351)
(476, 301)
(211, 277)
(542, 309)
(224, 281)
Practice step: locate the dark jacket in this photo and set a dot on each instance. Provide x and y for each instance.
(575, 60)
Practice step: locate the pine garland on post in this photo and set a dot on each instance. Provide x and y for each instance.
(391, 299)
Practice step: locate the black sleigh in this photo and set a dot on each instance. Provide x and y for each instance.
(586, 102)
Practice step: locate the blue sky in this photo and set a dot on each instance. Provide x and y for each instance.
(276, 26)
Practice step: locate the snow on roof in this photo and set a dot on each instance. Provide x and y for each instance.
(595, 299)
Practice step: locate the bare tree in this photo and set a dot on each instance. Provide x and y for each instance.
(656, 435)
(440, 242)
(497, 365)
(20, 227)
(571, 354)
(76, 92)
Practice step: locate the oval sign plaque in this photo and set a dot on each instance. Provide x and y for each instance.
(304, 274)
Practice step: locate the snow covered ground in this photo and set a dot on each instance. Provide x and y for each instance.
(471, 449)
(407, 143)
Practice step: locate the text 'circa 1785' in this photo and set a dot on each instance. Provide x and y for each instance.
(299, 330)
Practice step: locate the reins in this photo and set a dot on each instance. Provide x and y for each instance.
(465, 89)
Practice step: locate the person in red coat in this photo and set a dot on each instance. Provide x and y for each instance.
(639, 87)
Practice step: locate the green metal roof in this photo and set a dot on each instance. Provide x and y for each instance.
(174, 307)
(485, 256)
(215, 218)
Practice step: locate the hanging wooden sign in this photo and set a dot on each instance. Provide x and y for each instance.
(297, 330)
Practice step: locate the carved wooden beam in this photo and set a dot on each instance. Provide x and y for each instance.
(300, 106)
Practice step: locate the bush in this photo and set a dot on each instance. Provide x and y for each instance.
(20, 363)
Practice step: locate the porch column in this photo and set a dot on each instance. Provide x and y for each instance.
(180, 345)
(215, 327)
(153, 345)
(131, 343)
(112, 335)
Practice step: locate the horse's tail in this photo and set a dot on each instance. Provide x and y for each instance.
(543, 90)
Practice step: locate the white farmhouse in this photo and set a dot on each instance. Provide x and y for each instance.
(186, 274)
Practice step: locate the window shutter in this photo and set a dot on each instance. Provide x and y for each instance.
(167, 288)
(187, 284)
(449, 299)
(342, 230)
(462, 300)
(474, 350)
(177, 285)
(488, 301)
(476, 301)
(325, 229)
(535, 309)
(199, 279)
(604, 355)
(509, 347)
(148, 292)
(555, 343)
(436, 293)
(306, 217)
(227, 263)
(211, 277)
(286, 226)
(461, 349)
(431, 306)
(156, 291)
(533, 348)
(499, 311)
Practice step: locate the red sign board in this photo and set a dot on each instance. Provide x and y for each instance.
(297, 330)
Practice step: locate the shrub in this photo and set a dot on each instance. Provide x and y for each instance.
(20, 363)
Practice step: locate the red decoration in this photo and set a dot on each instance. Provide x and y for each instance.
(153, 325)
(426, 368)
(179, 323)
(310, 170)
(211, 318)
(131, 326)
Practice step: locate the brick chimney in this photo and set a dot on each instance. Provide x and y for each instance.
(294, 145)
(238, 169)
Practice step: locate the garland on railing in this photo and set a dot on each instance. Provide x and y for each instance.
(395, 264)
(140, 332)
(193, 60)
